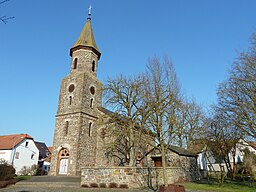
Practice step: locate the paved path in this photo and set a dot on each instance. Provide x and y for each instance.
(56, 184)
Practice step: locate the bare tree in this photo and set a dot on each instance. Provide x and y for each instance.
(5, 18)
(222, 138)
(161, 95)
(191, 123)
(123, 95)
(237, 95)
(150, 106)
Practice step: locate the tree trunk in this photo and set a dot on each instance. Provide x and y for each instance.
(164, 164)
(132, 158)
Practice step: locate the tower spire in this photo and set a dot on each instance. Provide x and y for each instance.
(86, 39)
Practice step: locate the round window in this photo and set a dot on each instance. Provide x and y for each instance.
(92, 90)
(71, 88)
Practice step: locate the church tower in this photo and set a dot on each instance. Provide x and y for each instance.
(75, 135)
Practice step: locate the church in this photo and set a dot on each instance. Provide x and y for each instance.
(79, 146)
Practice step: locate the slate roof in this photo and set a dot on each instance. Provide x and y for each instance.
(43, 149)
(178, 150)
(10, 141)
(181, 151)
(115, 117)
(107, 112)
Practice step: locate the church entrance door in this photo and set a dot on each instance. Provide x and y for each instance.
(63, 161)
(63, 170)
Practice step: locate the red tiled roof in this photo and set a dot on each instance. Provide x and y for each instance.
(252, 144)
(49, 157)
(50, 149)
(9, 141)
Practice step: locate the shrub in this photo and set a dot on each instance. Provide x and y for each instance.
(124, 186)
(6, 171)
(40, 171)
(28, 170)
(112, 185)
(94, 185)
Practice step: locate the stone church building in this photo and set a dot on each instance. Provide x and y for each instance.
(77, 145)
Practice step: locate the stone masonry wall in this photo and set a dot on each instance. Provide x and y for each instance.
(76, 130)
(131, 177)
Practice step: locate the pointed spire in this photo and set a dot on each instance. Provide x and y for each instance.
(86, 38)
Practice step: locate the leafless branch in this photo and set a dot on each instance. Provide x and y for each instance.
(5, 19)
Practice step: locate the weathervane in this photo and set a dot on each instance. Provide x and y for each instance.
(89, 12)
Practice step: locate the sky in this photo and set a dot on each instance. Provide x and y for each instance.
(201, 37)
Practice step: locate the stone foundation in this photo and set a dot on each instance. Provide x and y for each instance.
(131, 177)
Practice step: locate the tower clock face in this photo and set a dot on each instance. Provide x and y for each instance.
(71, 88)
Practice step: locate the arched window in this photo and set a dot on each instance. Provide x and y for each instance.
(64, 153)
(91, 103)
(75, 64)
(66, 129)
(93, 66)
(70, 100)
(90, 127)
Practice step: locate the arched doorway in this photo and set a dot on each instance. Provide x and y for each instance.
(63, 161)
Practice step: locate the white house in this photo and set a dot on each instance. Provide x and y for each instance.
(206, 161)
(44, 156)
(47, 161)
(18, 150)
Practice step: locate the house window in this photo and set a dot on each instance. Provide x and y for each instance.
(17, 155)
(32, 156)
(26, 145)
(66, 128)
(75, 64)
(90, 129)
(93, 66)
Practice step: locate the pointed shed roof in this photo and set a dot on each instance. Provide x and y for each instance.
(86, 39)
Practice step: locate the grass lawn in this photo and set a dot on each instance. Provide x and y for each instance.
(229, 186)
(19, 178)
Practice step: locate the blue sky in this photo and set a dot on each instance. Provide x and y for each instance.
(202, 38)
